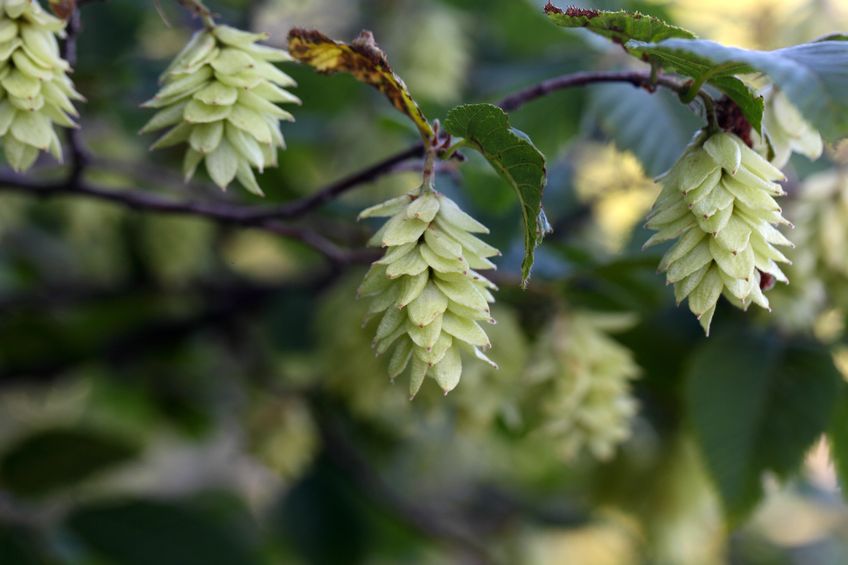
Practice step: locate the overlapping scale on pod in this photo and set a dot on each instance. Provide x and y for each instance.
(426, 290)
(787, 130)
(718, 203)
(220, 96)
(35, 91)
(584, 374)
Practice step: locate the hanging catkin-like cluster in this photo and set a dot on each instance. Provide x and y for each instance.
(35, 91)
(820, 263)
(787, 130)
(220, 96)
(718, 202)
(425, 288)
(585, 375)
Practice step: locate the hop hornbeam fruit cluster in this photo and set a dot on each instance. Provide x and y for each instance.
(821, 212)
(220, 96)
(425, 288)
(718, 202)
(820, 266)
(787, 130)
(35, 91)
(588, 404)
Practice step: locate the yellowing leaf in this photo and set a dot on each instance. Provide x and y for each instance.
(363, 59)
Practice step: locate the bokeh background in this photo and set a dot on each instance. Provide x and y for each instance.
(174, 392)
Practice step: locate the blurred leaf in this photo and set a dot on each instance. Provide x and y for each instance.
(838, 437)
(324, 519)
(364, 60)
(757, 404)
(619, 27)
(142, 532)
(50, 460)
(485, 127)
(813, 75)
(17, 547)
(655, 127)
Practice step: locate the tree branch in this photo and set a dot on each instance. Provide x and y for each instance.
(641, 79)
(335, 189)
(78, 157)
(148, 201)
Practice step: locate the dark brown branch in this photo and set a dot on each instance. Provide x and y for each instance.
(636, 78)
(148, 201)
(639, 79)
(332, 191)
(78, 156)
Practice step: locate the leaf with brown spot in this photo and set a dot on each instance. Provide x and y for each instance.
(619, 27)
(363, 59)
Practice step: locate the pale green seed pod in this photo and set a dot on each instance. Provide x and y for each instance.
(35, 91)
(585, 375)
(787, 130)
(426, 288)
(718, 202)
(220, 96)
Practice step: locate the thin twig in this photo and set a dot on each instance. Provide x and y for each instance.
(148, 201)
(197, 8)
(335, 189)
(636, 78)
(78, 156)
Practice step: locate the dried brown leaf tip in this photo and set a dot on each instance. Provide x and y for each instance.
(361, 58)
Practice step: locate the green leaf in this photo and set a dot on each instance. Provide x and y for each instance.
(50, 460)
(619, 27)
(750, 103)
(141, 532)
(757, 404)
(813, 75)
(485, 127)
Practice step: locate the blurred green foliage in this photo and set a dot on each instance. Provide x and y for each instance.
(175, 391)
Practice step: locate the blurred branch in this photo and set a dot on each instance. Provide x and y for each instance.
(220, 212)
(415, 514)
(223, 305)
(197, 8)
